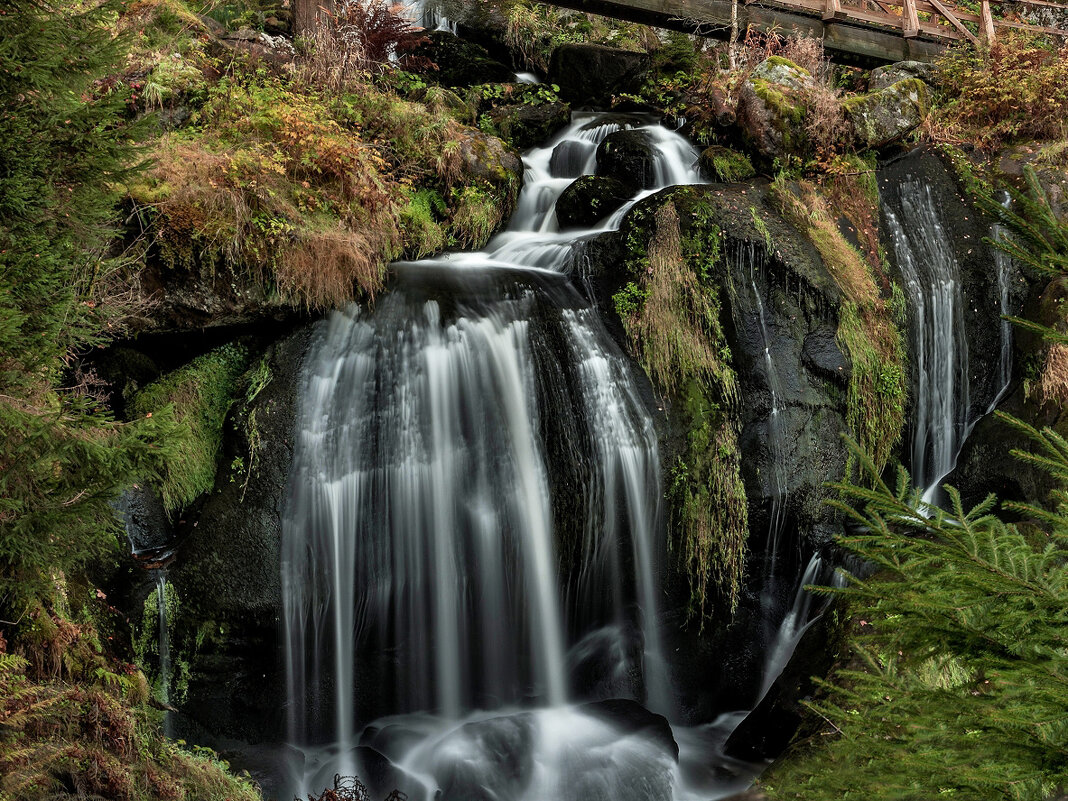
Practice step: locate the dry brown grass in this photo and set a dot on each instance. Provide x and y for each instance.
(1053, 384)
(324, 267)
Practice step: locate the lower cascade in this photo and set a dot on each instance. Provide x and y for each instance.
(473, 535)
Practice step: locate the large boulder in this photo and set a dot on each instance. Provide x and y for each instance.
(486, 158)
(772, 107)
(589, 199)
(883, 117)
(589, 74)
(889, 74)
(628, 157)
(461, 63)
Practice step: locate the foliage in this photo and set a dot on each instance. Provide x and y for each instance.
(959, 682)
(63, 152)
(199, 396)
(536, 29)
(671, 313)
(1016, 88)
(80, 724)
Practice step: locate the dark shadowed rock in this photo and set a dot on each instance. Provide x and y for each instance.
(589, 199)
(495, 761)
(526, 125)
(589, 74)
(630, 717)
(628, 157)
(461, 63)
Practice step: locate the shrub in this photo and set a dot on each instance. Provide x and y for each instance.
(957, 686)
(1017, 88)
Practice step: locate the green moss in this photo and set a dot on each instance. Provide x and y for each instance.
(421, 221)
(477, 216)
(725, 165)
(200, 393)
(671, 311)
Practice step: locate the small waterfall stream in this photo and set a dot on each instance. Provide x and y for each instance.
(164, 650)
(940, 388)
(1004, 267)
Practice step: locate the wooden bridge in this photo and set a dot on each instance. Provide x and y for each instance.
(864, 32)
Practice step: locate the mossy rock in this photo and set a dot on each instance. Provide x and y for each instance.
(589, 199)
(888, 115)
(889, 74)
(721, 164)
(526, 125)
(772, 108)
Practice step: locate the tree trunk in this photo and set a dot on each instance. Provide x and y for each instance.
(309, 14)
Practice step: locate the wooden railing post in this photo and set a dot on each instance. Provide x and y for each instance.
(988, 22)
(910, 20)
(831, 9)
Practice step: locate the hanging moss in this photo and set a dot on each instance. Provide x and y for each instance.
(200, 393)
(672, 315)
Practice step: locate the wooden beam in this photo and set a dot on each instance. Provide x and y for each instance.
(831, 8)
(910, 20)
(956, 23)
(988, 22)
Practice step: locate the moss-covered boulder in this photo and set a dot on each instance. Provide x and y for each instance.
(889, 74)
(589, 74)
(772, 108)
(886, 116)
(629, 157)
(589, 199)
(486, 158)
(721, 164)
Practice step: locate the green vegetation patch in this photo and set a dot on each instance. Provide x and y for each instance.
(671, 312)
(200, 394)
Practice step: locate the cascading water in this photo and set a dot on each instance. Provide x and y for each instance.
(940, 388)
(1003, 266)
(164, 648)
(452, 443)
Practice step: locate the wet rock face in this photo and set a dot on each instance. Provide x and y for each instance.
(590, 199)
(526, 125)
(590, 74)
(227, 575)
(628, 157)
(887, 115)
(771, 109)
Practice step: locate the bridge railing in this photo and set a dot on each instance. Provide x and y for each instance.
(928, 18)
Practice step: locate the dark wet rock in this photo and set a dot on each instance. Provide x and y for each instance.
(628, 157)
(886, 116)
(525, 125)
(889, 74)
(227, 576)
(589, 199)
(719, 163)
(822, 355)
(380, 776)
(772, 108)
(461, 63)
(607, 663)
(589, 74)
(496, 759)
(147, 524)
(630, 717)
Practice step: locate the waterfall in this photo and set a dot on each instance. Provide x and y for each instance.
(473, 524)
(1003, 266)
(164, 650)
(940, 389)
